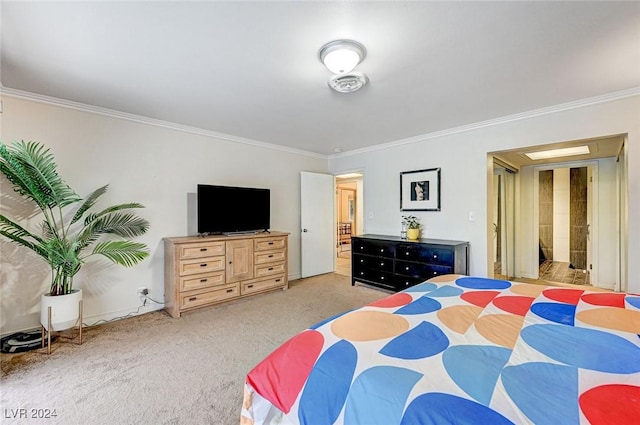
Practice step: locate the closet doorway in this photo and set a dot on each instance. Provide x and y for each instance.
(349, 218)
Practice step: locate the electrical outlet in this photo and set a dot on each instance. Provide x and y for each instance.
(142, 293)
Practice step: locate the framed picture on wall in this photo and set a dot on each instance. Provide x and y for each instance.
(420, 190)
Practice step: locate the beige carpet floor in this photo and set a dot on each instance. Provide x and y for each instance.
(152, 369)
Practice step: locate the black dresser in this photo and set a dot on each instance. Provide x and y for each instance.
(395, 264)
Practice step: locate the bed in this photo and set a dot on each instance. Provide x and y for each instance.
(459, 350)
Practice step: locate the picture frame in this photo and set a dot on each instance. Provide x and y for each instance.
(420, 190)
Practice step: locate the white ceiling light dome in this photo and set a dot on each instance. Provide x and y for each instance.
(342, 56)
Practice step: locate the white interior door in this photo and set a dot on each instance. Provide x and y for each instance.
(317, 241)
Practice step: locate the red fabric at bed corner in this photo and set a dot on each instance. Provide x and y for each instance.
(297, 357)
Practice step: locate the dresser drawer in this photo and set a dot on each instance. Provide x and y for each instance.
(262, 285)
(200, 249)
(367, 262)
(266, 244)
(376, 276)
(269, 257)
(420, 270)
(203, 298)
(201, 281)
(427, 254)
(404, 282)
(201, 265)
(269, 269)
(376, 248)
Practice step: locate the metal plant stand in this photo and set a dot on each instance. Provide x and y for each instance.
(73, 336)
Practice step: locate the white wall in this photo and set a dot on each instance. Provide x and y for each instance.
(462, 157)
(144, 163)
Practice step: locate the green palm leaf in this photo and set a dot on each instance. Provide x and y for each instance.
(89, 202)
(20, 235)
(124, 253)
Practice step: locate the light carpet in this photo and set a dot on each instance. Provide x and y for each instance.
(152, 369)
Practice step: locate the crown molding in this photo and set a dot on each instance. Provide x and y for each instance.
(20, 94)
(609, 97)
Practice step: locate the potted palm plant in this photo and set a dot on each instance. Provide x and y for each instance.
(69, 232)
(413, 226)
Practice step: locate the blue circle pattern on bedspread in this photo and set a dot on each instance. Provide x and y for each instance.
(449, 366)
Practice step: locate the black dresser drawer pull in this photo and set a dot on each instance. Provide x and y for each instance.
(271, 256)
(203, 265)
(203, 249)
(193, 298)
(203, 280)
(270, 243)
(248, 286)
(229, 290)
(270, 268)
(278, 280)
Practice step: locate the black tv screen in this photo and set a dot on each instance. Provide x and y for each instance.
(228, 209)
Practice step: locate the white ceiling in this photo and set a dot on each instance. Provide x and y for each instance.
(251, 69)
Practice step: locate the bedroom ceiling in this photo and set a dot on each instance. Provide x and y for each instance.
(251, 69)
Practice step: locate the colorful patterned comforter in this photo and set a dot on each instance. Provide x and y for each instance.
(459, 350)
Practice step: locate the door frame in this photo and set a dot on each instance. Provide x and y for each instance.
(592, 211)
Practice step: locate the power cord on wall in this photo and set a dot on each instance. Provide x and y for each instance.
(132, 313)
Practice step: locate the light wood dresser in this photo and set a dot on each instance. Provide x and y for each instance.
(203, 271)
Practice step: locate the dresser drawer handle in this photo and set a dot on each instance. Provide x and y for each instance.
(361, 247)
(435, 273)
(271, 256)
(248, 286)
(203, 265)
(406, 253)
(361, 273)
(193, 298)
(381, 277)
(229, 291)
(435, 256)
(406, 268)
(406, 284)
(270, 268)
(381, 249)
(278, 280)
(270, 243)
(361, 260)
(382, 264)
(203, 280)
(203, 249)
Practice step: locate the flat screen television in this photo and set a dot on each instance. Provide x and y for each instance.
(228, 209)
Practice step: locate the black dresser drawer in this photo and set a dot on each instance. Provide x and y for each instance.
(423, 270)
(369, 262)
(376, 248)
(379, 278)
(429, 254)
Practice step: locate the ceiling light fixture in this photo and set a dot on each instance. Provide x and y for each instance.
(558, 153)
(342, 56)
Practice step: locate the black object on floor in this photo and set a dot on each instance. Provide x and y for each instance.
(22, 341)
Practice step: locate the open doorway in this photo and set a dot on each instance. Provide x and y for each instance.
(349, 218)
(565, 219)
(589, 238)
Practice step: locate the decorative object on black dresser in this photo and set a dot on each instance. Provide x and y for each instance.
(393, 263)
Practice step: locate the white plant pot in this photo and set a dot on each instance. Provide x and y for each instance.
(65, 310)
